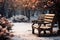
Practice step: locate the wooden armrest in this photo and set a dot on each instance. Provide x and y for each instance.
(43, 23)
(37, 21)
(34, 21)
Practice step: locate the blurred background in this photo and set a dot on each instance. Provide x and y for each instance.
(22, 10)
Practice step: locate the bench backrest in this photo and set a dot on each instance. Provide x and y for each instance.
(49, 18)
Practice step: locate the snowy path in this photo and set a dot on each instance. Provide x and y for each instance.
(21, 28)
(23, 32)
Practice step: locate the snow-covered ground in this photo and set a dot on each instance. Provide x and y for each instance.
(23, 31)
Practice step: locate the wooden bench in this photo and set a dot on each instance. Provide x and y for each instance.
(48, 19)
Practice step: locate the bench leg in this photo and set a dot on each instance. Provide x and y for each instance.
(44, 31)
(39, 31)
(32, 30)
(50, 31)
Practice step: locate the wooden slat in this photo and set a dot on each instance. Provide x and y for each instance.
(50, 14)
(49, 17)
(48, 20)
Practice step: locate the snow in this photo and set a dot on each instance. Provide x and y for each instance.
(23, 31)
